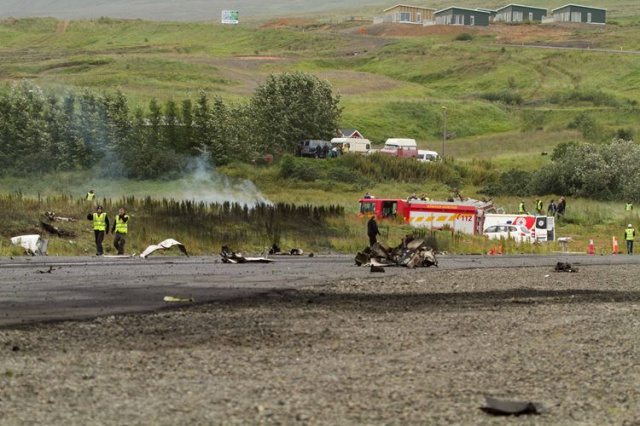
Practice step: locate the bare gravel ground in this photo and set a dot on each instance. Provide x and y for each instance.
(421, 347)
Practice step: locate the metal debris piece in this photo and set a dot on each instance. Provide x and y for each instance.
(565, 267)
(54, 230)
(168, 243)
(410, 253)
(55, 218)
(375, 268)
(275, 249)
(175, 299)
(229, 256)
(47, 271)
(32, 244)
(502, 407)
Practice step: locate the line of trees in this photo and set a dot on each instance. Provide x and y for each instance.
(43, 132)
(606, 171)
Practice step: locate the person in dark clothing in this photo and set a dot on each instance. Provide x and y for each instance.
(120, 230)
(562, 205)
(100, 227)
(552, 209)
(372, 231)
(325, 151)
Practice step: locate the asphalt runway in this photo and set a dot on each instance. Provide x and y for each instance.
(40, 289)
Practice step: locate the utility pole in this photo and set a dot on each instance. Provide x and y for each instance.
(444, 130)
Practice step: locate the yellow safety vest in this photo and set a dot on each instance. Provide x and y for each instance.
(521, 208)
(628, 234)
(628, 207)
(100, 221)
(122, 227)
(91, 196)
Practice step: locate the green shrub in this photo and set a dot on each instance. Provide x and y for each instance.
(507, 97)
(464, 37)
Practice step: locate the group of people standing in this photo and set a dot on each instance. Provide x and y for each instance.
(553, 209)
(100, 221)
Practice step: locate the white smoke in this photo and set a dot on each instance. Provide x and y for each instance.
(204, 183)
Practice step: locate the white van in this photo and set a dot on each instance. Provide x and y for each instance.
(425, 156)
(357, 145)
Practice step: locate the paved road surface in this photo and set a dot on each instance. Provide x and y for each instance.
(36, 289)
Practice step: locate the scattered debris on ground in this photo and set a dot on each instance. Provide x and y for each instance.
(411, 253)
(229, 256)
(503, 407)
(47, 271)
(275, 249)
(32, 244)
(565, 267)
(54, 230)
(168, 243)
(176, 299)
(55, 218)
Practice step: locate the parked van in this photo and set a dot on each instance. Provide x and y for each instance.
(314, 148)
(357, 145)
(400, 147)
(424, 155)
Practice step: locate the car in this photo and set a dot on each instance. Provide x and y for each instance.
(314, 148)
(518, 233)
(426, 156)
(400, 147)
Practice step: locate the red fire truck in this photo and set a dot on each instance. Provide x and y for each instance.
(460, 216)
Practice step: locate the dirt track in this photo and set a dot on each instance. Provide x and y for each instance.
(419, 347)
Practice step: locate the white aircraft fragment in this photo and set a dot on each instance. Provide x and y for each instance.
(33, 244)
(168, 243)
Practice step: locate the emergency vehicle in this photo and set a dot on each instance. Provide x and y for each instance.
(459, 216)
(468, 216)
(542, 228)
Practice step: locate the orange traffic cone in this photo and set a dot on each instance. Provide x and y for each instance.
(614, 243)
(591, 249)
(499, 251)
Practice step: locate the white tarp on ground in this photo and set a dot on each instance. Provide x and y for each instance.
(168, 243)
(33, 244)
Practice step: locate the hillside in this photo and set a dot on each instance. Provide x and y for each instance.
(200, 10)
(393, 79)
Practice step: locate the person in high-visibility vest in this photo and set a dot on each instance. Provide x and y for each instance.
(120, 230)
(91, 195)
(628, 207)
(100, 227)
(539, 206)
(521, 208)
(629, 235)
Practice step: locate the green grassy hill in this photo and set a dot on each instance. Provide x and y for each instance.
(506, 98)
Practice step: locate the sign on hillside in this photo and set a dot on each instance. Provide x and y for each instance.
(230, 17)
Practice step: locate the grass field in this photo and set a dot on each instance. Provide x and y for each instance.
(508, 101)
(390, 85)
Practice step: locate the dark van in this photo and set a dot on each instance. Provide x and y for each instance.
(314, 148)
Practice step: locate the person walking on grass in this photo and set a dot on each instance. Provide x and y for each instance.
(522, 209)
(100, 227)
(562, 205)
(372, 231)
(120, 230)
(629, 235)
(539, 207)
(91, 195)
(552, 209)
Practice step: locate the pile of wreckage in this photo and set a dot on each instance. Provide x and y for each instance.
(411, 253)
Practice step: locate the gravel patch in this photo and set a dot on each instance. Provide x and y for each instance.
(422, 347)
